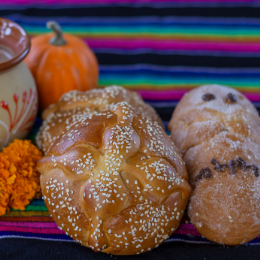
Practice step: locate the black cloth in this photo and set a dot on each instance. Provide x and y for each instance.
(26, 249)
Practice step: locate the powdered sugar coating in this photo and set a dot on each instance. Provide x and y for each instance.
(226, 207)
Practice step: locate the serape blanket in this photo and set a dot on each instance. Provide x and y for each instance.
(161, 49)
(35, 221)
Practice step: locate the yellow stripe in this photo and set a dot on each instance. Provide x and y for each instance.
(27, 213)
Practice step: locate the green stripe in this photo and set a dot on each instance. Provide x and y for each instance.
(33, 208)
(243, 84)
(145, 30)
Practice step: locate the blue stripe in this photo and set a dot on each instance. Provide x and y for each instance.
(177, 69)
(173, 103)
(37, 202)
(151, 73)
(166, 21)
(85, 26)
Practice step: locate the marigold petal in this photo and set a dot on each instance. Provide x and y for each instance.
(3, 210)
(12, 169)
(4, 173)
(11, 179)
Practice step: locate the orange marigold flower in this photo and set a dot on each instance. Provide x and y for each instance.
(6, 178)
(4, 196)
(20, 175)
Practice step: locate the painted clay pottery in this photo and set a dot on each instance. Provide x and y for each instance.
(18, 96)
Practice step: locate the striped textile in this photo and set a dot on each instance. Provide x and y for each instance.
(162, 49)
(159, 48)
(35, 222)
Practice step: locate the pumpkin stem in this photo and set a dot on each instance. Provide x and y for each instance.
(58, 39)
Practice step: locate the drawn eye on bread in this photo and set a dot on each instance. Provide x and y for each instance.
(230, 98)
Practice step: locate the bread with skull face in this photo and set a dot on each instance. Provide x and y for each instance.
(217, 131)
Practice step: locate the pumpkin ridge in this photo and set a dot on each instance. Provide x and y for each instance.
(55, 69)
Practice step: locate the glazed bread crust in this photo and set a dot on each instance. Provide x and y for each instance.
(76, 104)
(217, 132)
(115, 182)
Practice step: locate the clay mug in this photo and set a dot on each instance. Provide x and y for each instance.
(18, 96)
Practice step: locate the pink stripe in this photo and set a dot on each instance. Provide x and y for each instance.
(188, 226)
(63, 2)
(177, 94)
(184, 229)
(29, 224)
(130, 44)
(255, 97)
(32, 230)
(189, 229)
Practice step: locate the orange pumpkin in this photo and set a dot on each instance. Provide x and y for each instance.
(60, 63)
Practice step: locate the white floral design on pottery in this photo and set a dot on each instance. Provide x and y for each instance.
(21, 120)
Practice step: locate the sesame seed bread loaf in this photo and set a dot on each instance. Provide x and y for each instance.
(217, 131)
(115, 182)
(76, 104)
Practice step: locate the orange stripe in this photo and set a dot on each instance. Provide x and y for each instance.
(27, 214)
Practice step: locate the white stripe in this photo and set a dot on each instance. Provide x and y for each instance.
(189, 241)
(167, 241)
(38, 238)
(205, 242)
